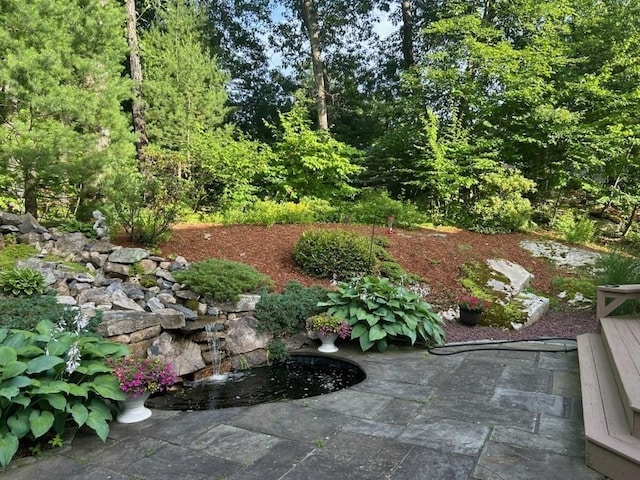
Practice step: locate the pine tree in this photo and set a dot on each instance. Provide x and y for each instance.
(60, 98)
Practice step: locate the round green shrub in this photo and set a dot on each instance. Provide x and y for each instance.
(222, 280)
(336, 254)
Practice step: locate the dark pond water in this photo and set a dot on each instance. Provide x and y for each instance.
(300, 377)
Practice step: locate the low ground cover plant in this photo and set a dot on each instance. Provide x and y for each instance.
(284, 314)
(379, 311)
(222, 280)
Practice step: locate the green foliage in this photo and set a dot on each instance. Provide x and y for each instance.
(22, 281)
(574, 285)
(336, 254)
(373, 207)
(74, 225)
(62, 125)
(310, 162)
(619, 269)
(222, 280)
(24, 313)
(499, 204)
(581, 230)
(51, 377)
(269, 212)
(13, 252)
(283, 314)
(380, 311)
(145, 207)
(277, 351)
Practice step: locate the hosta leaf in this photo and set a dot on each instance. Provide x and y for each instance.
(358, 331)
(365, 343)
(40, 422)
(52, 386)
(30, 351)
(377, 333)
(43, 363)
(56, 400)
(20, 382)
(101, 407)
(61, 345)
(9, 392)
(7, 355)
(78, 390)
(79, 413)
(8, 448)
(19, 423)
(12, 369)
(99, 424)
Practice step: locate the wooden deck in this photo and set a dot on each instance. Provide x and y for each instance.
(610, 381)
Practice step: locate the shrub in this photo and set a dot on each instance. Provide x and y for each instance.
(22, 281)
(284, 314)
(24, 313)
(51, 377)
(574, 231)
(500, 204)
(334, 254)
(222, 280)
(619, 269)
(373, 207)
(379, 310)
(277, 351)
(74, 225)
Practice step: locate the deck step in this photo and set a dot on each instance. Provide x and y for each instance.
(621, 337)
(610, 447)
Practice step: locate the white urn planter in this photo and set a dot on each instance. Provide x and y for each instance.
(328, 343)
(133, 409)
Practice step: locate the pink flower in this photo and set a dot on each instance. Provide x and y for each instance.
(140, 375)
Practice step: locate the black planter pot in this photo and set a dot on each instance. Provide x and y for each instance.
(467, 317)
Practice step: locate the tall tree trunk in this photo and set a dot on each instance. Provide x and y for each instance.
(311, 24)
(629, 222)
(407, 33)
(139, 124)
(30, 191)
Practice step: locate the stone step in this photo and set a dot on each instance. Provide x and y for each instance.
(609, 446)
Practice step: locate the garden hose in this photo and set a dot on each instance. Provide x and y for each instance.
(463, 347)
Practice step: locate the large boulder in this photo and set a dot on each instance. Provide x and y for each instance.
(242, 337)
(185, 355)
(128, 256)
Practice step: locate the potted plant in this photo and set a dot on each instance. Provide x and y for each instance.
(329, 328)
(139, 378)
(471, 309)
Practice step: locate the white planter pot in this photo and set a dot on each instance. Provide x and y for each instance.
(328, 343)
(133, 409)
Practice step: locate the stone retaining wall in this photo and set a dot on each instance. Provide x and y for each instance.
(141, 303)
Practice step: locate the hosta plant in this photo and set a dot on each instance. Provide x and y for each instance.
(52, 377)
(22, 281)
(379, 311)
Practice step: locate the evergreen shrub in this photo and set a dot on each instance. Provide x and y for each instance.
(24, 313)
(336, 254)
(283, 314)
(222, 280)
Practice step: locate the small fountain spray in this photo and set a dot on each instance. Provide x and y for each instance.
(216, 353)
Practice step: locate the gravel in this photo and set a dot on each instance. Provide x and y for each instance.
(567, 324)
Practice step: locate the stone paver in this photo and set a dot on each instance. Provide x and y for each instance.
(477, 415)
